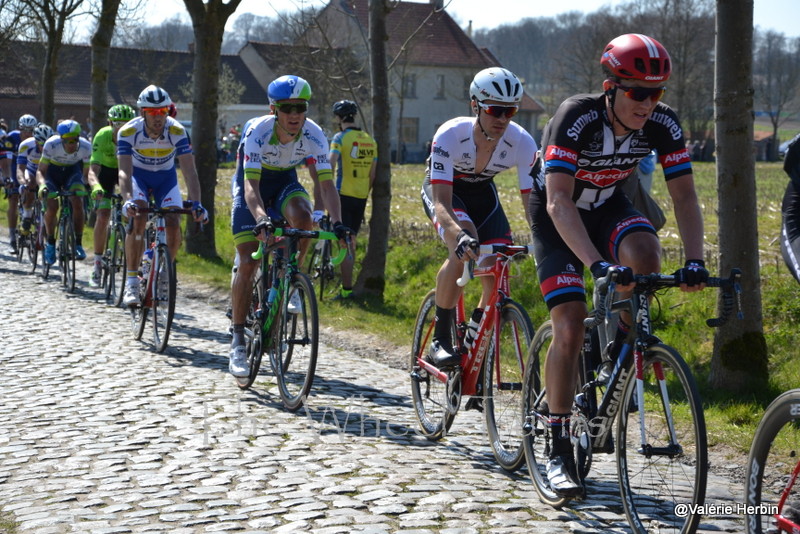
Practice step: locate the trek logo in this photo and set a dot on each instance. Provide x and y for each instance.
(574, 131)
(556, 152)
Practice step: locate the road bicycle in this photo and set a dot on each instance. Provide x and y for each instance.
(157, 278)
(492, 367)
(660, 441)
(291, 339)
(28, 240)
(113, 263)
(65, 242)
(323, 260)
(771, 491)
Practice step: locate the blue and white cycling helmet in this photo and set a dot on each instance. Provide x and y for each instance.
(288, 87)
(42, 133)
(153, 96)
(27, 122)
(68, 128)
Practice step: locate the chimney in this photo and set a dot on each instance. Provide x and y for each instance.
(469, 30)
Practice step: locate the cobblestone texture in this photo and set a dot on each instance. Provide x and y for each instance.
(100, 434)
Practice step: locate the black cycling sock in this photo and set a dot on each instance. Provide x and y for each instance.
(238, 335)
(442, 329)
(559, 430)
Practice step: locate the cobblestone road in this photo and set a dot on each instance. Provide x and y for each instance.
(100, 434)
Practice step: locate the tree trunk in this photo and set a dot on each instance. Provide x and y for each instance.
(49, 75)
(101, 46)
(208, 21)
(372, 278)
(739, 362)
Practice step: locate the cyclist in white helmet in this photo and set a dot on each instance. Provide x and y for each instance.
(459, 194)
(26, 124)
(28, 155)
(147, 148)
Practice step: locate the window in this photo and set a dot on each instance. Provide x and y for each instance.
(410, 130)
(410, 86)
(439, 86)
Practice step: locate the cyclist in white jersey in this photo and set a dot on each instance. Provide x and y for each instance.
(147, 148)
(459, 194)
(28, 156)
(266, 183)
(63, 166)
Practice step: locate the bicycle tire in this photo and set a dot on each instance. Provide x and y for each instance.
(296, 344)
(163, 303)
(773, 458)
(67, 254)
(37, 231)
(535, 438)
(502, 386)
(651, 485)
(429, 394)
(115, 271)
(254, 333)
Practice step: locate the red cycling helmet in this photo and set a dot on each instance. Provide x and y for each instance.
(634, 56)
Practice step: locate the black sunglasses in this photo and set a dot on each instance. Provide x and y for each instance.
(640, 94)
(300, 107)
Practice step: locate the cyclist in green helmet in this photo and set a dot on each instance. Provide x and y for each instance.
(103, 178)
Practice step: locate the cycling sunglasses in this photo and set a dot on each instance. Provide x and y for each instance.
(640, 94)
(156, 111)
(299, 107)
(499, 111)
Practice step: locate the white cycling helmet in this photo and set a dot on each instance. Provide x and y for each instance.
(42, 133)
(498, 84)
(153, 96)
(27, 122)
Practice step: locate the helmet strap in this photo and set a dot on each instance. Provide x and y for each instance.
(611, 94)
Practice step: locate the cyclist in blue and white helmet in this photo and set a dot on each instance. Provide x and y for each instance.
(265, 185)
(28, 155)
(147, 149)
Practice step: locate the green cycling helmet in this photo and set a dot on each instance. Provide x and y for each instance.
(120, 112)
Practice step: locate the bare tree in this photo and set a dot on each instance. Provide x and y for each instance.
(777, 77)
(174, 33)
(740, 351)
(50, 17)
(208, 20)
(101, 50)
(372, 278)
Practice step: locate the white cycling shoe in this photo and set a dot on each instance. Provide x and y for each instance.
(238, 362)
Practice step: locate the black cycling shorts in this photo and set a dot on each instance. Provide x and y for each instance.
(790, 230)
(559, 269)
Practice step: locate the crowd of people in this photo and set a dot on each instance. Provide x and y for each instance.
(570, 186)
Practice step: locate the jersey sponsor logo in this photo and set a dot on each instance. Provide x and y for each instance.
(561, 281)
(255, 157)
(574, 131)
(604, 178)
(127, 131)
(681, 156)
(557, 152)
(438, 166)
(670, 123)
(439, 151)
(311, 161)
(609, 162)
(176, 130)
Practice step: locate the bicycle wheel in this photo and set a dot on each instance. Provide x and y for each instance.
(657, 476)
(502, 385)
(139, 313)
(254, 333)
(115, 265)
(429, 393)
(163, 305)
(67, 254)
(296, 344)
(536, 433)
(770, 487)
(37, 236)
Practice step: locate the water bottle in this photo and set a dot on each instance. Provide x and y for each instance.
(273, 292)
(147, 260)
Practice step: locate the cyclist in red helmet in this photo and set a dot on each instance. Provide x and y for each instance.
(581, 217)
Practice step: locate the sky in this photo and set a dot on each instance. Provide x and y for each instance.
(778, 15)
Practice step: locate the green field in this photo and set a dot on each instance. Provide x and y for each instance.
(414, 255)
